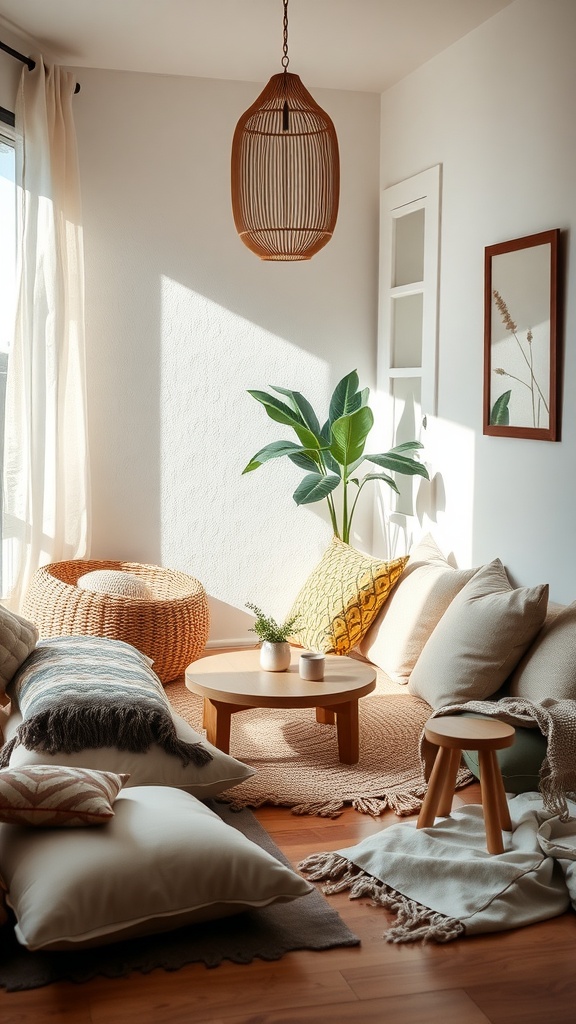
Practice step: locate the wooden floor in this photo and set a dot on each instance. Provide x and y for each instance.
(522, 977)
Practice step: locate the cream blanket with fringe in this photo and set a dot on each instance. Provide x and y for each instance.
(440, 882)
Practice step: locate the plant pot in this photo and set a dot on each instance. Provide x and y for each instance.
(274, 657)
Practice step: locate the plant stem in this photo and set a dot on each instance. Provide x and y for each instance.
(329, 498)
(345, 521)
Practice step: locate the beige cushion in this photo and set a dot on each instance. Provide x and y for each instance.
(163, 861)
(479, 639)
(426, 587)
(52, 796)
(115, 582)
(154, 767)
(548, 669)
(341, 598)
(18, 638)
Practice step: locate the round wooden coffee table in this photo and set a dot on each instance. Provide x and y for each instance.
(234, 681)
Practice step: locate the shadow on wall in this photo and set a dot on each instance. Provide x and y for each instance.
(230, 622)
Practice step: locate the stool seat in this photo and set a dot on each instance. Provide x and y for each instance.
(452, 734)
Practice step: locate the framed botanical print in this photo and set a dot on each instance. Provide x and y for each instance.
(521, 342)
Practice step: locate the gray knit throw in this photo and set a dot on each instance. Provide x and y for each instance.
(82, 692)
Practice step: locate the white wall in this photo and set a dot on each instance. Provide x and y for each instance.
(182, 319)
(497, 111)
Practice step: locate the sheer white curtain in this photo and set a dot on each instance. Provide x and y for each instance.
(46, 481)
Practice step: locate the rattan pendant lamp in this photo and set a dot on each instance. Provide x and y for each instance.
(285, 170)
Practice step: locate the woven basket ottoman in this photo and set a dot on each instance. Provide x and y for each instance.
(171, 627)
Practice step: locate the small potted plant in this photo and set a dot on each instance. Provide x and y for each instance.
(275, 650)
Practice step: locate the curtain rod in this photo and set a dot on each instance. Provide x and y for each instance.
(26, 60)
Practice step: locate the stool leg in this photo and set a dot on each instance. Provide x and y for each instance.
(435, 788)
(445, 805)
(490, 802)
(504, 810)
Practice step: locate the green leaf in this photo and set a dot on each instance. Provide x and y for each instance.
(282, 413)
(349, 435)
(345, 398)
(303, 407)
(500, 415)
(406, 446)
(305, 462)
(380, 476)
(399, 464)
(275, 450)
(330, 463)
(314, 487)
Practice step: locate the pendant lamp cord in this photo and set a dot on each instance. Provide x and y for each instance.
(285, 63)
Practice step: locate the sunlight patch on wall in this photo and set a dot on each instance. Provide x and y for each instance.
(218, 525)
(442, 506)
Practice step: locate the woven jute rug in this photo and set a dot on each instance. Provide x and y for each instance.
(296, 759)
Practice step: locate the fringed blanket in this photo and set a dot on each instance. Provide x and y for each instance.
(440, 882)
(84, 692)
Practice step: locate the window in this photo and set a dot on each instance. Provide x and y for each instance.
(407, 332)
(7, 268)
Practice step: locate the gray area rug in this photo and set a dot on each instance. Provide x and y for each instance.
(266, 934)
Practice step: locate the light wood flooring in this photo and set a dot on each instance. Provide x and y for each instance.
(526, 976)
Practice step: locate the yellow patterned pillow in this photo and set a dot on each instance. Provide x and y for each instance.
(342, 597)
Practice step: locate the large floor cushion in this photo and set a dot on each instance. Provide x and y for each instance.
(153, 768)
(164, 860)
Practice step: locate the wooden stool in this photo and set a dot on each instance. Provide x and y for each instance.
(452, 735)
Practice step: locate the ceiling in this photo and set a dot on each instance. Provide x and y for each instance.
(364, 45)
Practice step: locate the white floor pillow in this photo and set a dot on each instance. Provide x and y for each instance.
(163, 861)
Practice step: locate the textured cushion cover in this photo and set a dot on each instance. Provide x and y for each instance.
(154, 767)
(86, 691)
(342, 597)
(114, 582)
(18, 638)
(479, 639)
(548, 669)
(426, 587)
(163, 861)
(52, 796)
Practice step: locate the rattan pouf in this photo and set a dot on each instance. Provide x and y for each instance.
(171, 626)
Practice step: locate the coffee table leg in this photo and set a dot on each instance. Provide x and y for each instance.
(324, 716)
(216, 721)
(347, 732)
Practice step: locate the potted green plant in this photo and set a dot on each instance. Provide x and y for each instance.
(332, 454)
(275, 650)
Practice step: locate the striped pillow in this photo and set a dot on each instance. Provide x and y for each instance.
(49, 795)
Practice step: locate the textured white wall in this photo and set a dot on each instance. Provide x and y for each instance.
(497, 111)
(182, 319)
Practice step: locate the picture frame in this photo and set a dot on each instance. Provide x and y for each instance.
(521, 338)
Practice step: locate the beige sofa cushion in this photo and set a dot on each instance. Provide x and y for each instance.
(479, 639)
(548, 669)
(424, 591)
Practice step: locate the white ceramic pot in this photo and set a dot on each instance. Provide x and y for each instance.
(274, 657)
